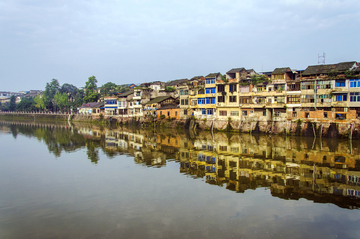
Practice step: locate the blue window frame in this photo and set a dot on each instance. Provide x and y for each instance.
(207, 111)
(210, 90)
(354, 83)
(201, 101)
(210, 81)
(340, 83)
(232, 87)
(210, 100)
(342, 97)
(354, 96)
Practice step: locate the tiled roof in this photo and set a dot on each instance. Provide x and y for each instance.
(169, 107)
(326, 69)
(126, 93)
(176, 82)
(158, 99)
(92, 105)
(212, 75)
(234, 70)
(281, 70)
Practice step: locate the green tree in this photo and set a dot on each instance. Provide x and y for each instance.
(50, 91)
(41, 101)
(26, 104)
(90, 90)
(12, 104)
(108, 88)
(61, 100)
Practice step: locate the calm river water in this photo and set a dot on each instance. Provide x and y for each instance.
(91, 182)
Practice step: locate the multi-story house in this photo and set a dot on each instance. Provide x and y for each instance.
(110, 105)
(227, 95)
(123, 101)
(203, 104)
(153, 105)
(293, 95)
(325, 91)
(277, 89)
(184, 100)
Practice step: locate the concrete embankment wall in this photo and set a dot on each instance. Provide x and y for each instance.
(33, 117)
(331, 129)
(318, 128)
(44, 117)
(311, 128)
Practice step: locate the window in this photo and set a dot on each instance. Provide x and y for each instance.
(324, 84)
(223, 148)
(168, 113)
(340, 83)
(278, 99)
(326, 98)
(244, 112)
(221, 99)
(210, 81)
(354, 97)
(232, 98)
(232, 88)
(185, 112)
(222, 113)
(184, 101)
(261, 88)
(210, 90)
(278, 77)
(201, 101)
(201, 91)
(341, 97)
(294, 114)
(234, 113)
(207, 111)
(264, 113)
(210, 100)
(138, 93)
(293, 99)
(221, 88)
(325, 114)
(244, 100)
(307, 99)
(184, 92)
(308, 85)
(175, 113)
(354, 83)
(244, 89)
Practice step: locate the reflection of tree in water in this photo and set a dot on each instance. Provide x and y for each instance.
(14, 131)
(92, 151)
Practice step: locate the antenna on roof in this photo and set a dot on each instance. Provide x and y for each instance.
(321, 59)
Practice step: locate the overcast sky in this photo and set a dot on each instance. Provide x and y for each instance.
(137, 41)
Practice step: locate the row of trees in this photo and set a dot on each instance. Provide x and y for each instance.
(64, 97)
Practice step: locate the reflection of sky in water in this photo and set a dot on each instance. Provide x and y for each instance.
(42, 196)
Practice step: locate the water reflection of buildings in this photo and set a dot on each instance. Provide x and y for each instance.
(321, 170)
(326, 171)
(148, 149)
(288, 167)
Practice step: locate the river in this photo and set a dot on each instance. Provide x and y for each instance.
(78, 181)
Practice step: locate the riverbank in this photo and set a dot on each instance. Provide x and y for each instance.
(308, 127)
